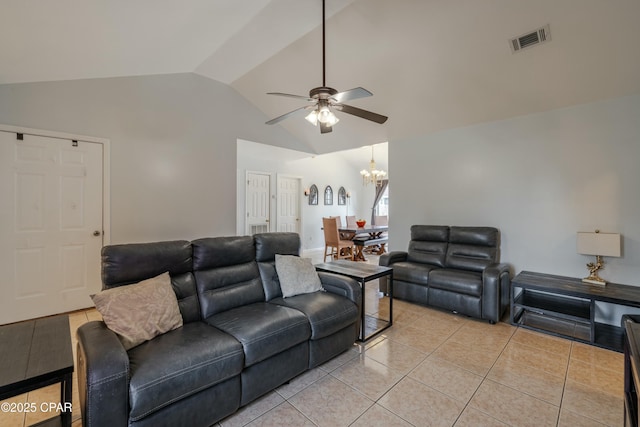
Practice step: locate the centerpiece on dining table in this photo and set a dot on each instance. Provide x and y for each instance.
(361, 223)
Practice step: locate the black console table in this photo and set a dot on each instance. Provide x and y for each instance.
(565, 306)
(369, 325)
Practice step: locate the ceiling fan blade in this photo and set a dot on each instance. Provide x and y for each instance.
(348, 95)
(374, 117)
(288, 95)
(287, 115)
(325, 128)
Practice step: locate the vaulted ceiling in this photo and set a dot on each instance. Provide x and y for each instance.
(431, 64)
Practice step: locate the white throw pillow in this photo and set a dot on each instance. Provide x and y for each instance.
(297, 275)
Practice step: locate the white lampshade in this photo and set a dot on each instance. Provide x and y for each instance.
(312, 117)
(602, 244)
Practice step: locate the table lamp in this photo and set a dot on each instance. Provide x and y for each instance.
(598, 244)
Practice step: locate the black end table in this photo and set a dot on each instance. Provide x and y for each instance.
(370, 325)
(35, 354)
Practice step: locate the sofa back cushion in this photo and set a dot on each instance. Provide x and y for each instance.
(428, 244)
(472, 248)
(226, 273)
(131, 263)
(267, 246)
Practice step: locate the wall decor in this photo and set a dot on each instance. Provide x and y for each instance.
(342, 196)
(328, 195)
(313, 195)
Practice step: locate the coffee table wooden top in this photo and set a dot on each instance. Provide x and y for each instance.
(34, 352)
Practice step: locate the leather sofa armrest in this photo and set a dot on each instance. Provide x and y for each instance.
(341, 285)
(394, 256)
(496, 280)
(387, 260)
(103, 376)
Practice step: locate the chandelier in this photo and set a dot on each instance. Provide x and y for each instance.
(373, 175)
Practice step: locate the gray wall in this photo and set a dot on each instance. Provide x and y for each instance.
(173, 146)
(538, 178)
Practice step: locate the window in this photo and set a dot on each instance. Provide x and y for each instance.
(382, 208)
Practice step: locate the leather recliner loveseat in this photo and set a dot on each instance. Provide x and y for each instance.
(239, 339)
(454, 268)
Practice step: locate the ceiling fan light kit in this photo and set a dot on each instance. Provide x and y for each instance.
(325, 99)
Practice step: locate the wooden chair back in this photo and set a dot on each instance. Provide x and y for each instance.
(331, 234)
(351, 221)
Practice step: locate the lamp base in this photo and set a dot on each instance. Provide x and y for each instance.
(593, 267)
(594, 281)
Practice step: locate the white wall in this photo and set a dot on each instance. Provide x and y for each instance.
(538, 178)
(327, 169)
(173, 146)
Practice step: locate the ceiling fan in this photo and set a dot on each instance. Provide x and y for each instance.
(323, 100)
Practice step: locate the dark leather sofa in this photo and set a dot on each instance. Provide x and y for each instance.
(454, 268)
(240, 338)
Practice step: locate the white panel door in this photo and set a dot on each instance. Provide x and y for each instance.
(288, 208)
(258, 206)
(50, 225)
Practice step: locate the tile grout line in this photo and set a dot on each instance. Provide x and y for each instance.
(484, 378)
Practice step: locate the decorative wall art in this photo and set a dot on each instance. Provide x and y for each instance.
(328, 195)
(342, 196)
(313, 195)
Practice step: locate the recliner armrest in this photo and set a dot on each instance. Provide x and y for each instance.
(496, 269)
(103, 376)
(341, 285)
(394, 256)
(496, 280)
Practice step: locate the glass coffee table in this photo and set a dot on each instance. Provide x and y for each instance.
(370, 325)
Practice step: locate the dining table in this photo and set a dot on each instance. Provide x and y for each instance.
(374, 232)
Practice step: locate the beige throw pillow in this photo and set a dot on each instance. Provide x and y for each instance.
(140, 311)
(297, 275)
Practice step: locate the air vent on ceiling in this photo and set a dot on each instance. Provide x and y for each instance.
(534, 38)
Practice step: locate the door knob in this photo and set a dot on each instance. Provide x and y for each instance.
(96, 233)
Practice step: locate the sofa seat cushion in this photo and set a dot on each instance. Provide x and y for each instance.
(412, 272)
(327, 313)
(458, 281)
(178, 364)
(263, 329)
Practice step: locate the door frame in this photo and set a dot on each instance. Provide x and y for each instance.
(106, 172)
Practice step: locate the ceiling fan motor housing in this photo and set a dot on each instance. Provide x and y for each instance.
(322, 92)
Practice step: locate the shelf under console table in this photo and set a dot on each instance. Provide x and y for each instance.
(566, 306)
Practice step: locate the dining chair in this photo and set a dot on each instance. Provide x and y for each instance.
(381, 220)
(338, 248)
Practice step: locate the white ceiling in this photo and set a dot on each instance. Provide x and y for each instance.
(431, 64)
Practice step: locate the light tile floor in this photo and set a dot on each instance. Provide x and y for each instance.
(431, 368)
